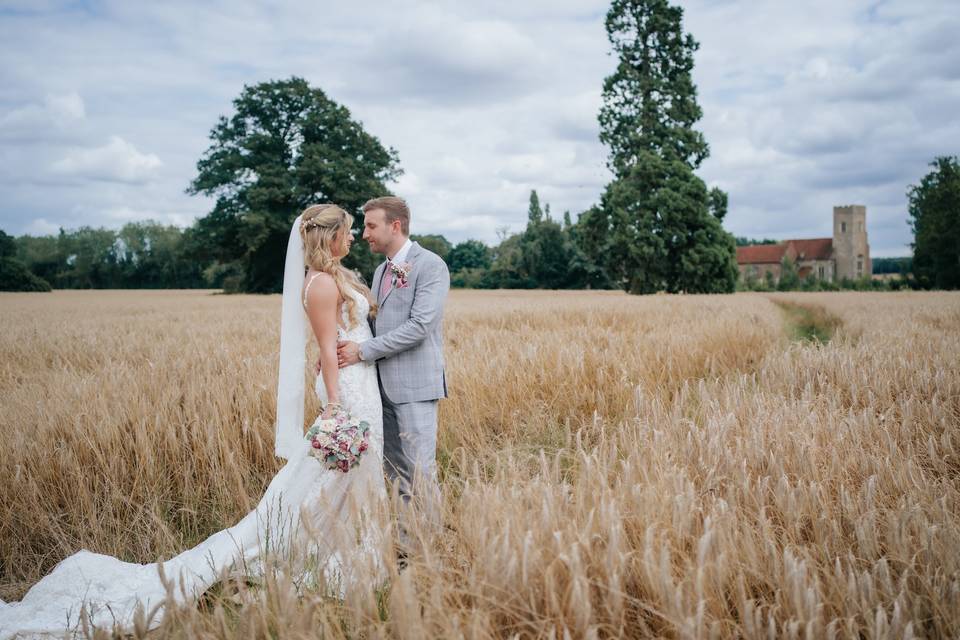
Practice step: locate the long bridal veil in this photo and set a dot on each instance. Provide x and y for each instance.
(323, 530)
(293, 354)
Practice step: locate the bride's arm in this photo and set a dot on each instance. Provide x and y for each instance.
(322, 304)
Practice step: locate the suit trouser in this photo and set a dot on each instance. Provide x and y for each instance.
(410, 458)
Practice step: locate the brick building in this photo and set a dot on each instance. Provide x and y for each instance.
(845, 255)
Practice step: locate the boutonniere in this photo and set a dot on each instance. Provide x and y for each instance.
(401, 273)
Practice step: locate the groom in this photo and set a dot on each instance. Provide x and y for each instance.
(411, 288)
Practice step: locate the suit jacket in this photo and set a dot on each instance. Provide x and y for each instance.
(408, 330)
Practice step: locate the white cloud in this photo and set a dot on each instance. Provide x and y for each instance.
(116, 161)
(56, 118)
(434, 56)
(68, 107)
(145, 211)
(41, 227)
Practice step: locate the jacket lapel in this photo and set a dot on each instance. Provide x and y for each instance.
(411, 256)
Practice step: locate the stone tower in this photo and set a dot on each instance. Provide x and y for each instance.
(851, 252)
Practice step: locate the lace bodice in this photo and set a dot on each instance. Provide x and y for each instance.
(361, 331)
(358, 389)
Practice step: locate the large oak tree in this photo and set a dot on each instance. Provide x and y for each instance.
(285, 146)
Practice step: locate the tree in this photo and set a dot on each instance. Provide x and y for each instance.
(934, 209)
(434, 242)
(718, 203)
(653, 232)
(657, 226)
(769, 281)
(139, 255)
(14, 274)
(584, 271)
(546, 255)
(469, 254)
(534, 212)
(789, 278)
(285, 146)
(42, 255)
(650, 101)
(507, 266)
(901, 266)
(151, 255)
(750, 282)
(468, 262)
(90, 256)
(743, 241)
(538, 258)
(8, 246)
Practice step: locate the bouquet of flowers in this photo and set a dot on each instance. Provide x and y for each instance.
(339, 441)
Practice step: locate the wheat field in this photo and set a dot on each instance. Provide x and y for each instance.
(612, 466)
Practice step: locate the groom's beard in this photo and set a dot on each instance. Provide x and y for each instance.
(384, 249)
(376, 247)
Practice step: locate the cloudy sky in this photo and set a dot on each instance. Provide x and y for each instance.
(105, 107)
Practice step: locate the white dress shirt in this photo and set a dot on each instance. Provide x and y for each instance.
(402, 253)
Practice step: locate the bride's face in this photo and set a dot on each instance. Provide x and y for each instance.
(342, 242)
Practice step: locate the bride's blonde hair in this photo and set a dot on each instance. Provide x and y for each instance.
(322, 225)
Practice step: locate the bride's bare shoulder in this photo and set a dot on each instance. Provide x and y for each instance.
(319, 289)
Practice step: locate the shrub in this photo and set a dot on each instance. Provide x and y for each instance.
(14, 276)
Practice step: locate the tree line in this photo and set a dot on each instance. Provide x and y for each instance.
(139, 255)
(150, 255)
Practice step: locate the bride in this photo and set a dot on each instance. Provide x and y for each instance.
(320, 525)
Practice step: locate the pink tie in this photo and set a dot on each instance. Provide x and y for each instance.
(387, 281)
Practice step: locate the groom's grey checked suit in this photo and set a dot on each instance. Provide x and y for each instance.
(408, 350)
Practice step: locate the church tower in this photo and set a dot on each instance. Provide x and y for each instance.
(851, 252)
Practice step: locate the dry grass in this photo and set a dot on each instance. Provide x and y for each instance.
(612, 466)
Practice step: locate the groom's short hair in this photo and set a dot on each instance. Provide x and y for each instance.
(395, 209)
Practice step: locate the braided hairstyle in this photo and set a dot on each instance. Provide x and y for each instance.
(321, 227)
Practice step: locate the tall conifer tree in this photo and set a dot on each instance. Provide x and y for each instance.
(657, 226)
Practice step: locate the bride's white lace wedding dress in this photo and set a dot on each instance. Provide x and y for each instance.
(307, 512)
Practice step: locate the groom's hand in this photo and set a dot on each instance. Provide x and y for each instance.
(348, 353)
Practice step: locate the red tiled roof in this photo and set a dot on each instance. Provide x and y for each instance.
(815, 249)
(761, 254)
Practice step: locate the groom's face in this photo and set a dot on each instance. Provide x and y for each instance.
(379, 233)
